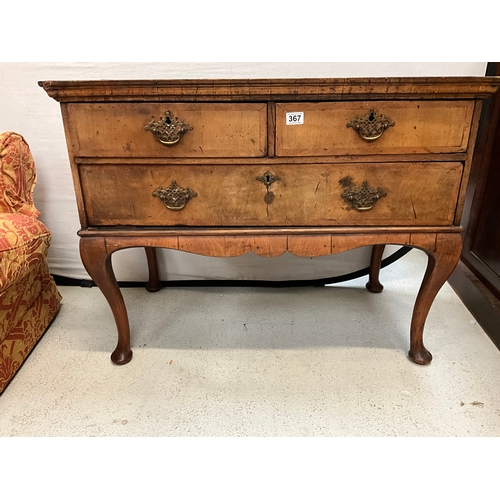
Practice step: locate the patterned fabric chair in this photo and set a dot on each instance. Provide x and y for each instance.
(29, 298)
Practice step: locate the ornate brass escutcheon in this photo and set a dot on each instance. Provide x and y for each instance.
(361, 197)
(174, 197)
(371, 126)
(168, 129)
(267, 179)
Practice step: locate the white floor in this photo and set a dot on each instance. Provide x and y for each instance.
(328, 361)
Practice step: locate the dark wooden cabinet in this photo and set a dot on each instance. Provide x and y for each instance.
(481, 250)
(478, 280)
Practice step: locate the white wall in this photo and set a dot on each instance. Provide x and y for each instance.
(26, 108)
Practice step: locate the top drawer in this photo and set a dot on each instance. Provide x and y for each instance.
(216, 130)
(412, 127)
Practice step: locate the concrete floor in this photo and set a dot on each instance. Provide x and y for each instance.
(327, 361)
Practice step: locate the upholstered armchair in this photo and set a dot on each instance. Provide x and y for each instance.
(29, 298)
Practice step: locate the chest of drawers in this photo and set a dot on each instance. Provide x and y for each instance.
(310, 166)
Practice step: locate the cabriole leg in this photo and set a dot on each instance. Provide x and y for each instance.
(374, 284)
(154, 283)
(442, 261)
(97, 261)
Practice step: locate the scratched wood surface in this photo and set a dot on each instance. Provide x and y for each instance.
(416, 194)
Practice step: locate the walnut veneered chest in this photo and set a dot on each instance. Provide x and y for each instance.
(311, 166)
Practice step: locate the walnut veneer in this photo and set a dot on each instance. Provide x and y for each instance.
(309, 166)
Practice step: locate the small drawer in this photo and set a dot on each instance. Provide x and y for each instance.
(361, 194)
(210, 130)
(351, 128)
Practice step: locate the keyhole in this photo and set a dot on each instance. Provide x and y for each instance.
(168, 120)
(371, 117)
(267, 179)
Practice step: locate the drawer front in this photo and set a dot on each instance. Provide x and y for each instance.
(214, 130)
(406, 126)
(409, 194)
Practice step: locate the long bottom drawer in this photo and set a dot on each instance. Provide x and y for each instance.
(279, 195)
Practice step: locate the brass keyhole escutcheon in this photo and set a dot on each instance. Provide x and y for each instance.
(268, 179)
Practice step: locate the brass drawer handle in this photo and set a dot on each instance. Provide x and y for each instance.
(174, 197)
(168, 129)
(371, 126)
(360, 198)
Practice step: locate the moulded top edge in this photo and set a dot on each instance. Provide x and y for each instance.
(74, 90)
